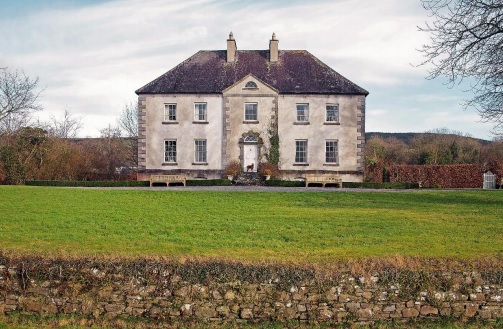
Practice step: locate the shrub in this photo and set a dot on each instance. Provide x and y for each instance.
(209, 182)
(285, 183)
(2, 173)
(380, 185)
(233, 168)
(267, 168)
(202, 182)
(447, 176)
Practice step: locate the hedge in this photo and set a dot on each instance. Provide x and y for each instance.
(209, 182)
(380, 185)
(132, 183)
(447, 176)
(86, 183)
(285, 183)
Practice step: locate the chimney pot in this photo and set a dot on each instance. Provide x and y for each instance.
(273, 48)
(231, 49)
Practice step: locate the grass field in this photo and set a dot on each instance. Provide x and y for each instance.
(252, 226)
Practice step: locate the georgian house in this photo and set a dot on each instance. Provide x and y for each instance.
(221, 106)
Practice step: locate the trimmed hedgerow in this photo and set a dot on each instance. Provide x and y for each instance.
(372, 185)
(447, 176)
(209, 182)
(284, 183)
(130, 183)
(205, 182)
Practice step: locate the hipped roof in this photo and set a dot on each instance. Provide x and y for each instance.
(295, 72)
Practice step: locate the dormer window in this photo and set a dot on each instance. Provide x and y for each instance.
(251, 85)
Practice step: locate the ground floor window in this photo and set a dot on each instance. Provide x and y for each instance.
(170, 150)
(331, 151)
(200, 151)
(301, 151)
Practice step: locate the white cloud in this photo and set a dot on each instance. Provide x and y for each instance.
(92, 58)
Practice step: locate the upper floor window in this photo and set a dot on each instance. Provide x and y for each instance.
(200, 151)
(251, 85)
(332, 151)
(169, 112)
(200, 112)
(302, 112)
(170, 150)
(301, 151)
(251, 111)
(332, 114)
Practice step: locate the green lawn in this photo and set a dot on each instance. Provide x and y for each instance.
(271, 226)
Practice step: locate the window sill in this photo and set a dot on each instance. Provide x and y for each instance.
(250, 88)
(331, 164)
(200, 122)
(169, 164)
(328, 123)
(250, 122)
(301, 164)
(299, 123)
(199, 163)
(170, 122)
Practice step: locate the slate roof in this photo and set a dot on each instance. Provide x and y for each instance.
(296, 72)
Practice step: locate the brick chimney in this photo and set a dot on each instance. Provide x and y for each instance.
(231, 49)
(273, 48)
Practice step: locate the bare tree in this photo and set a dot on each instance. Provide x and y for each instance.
(128, 120)
(15, 121)
(467, 42)
(65, 127)
(18, 95)
(112, 150)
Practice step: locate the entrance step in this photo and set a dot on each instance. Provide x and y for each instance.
(249, 179)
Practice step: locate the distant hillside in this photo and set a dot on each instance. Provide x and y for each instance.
(408, 137)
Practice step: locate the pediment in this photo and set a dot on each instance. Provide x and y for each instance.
(250, 85)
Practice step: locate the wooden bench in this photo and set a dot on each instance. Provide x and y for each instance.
(323, 180)
(168, 179)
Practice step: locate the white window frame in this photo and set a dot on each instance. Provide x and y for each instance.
(304, 117)
(168, 115)
(248, 115)
(201, 112)
(331, 158)
(200, 151)
(335, 118)
(170, 156)
(299, 158)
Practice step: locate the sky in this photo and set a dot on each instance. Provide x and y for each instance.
(91, 55)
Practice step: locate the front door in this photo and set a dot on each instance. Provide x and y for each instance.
(250, 153)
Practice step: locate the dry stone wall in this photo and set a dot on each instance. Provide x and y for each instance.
(237, 292)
